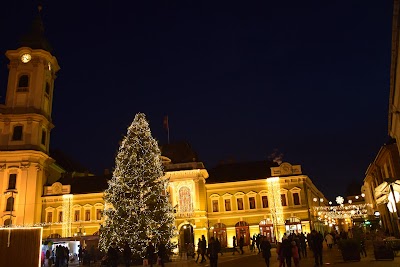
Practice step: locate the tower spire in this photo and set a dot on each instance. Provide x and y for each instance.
(35, 38)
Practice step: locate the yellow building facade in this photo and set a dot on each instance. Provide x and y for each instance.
(229, 200)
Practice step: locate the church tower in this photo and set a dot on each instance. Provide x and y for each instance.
(25, 126)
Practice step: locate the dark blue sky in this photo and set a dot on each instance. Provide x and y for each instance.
(237, 79)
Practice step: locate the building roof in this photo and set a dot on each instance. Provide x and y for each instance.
(179, 152)
(86, 184)
(35, 38)
(66, 162)
(240, 171)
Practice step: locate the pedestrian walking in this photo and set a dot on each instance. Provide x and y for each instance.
(234, 246)
(127, 254)
(150, 250)
(265, 247)
(219, 245)
(287, 252)
(279, 251)
(112, 255)
(162, 253)
(316, 240)
(203, 248)
(241, 244)
(213, 250)
(198, 249)
(295, 254)
(329, 240)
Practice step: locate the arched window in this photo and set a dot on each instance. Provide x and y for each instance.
(185, 200)
(10, 204)
(7, 222)
(47, 90)
(23, 83)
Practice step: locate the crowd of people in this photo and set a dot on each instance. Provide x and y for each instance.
(154, 254)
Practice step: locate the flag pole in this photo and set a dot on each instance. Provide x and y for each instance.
(166, 126)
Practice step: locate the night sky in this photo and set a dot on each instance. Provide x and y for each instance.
(238, 79)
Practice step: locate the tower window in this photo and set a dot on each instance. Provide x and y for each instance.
(23, 83)
(10, 204)
(12, 180)
(43, 137)
(49, 217)
(47, 90)
(17, 133)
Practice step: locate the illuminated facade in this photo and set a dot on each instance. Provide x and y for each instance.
(262, 197)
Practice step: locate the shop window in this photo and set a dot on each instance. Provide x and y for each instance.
(252, 203)
(77, 216)
(12, 181)
(50, 217)
(98, 214)
(10, 204)
(23, 83)
(215, 205)
(296, 198)
(87, 215)
(60, 216)
(240, 203)
(228, 205)
(17, 133)
(43, 137)
(283, 200)
(264, 201)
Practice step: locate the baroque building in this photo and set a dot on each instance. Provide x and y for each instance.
(42, 188)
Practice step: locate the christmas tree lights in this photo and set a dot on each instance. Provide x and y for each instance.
(137, 203)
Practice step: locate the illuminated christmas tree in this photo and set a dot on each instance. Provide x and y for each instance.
(137, 203)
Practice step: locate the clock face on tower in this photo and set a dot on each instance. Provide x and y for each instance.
(25, 58)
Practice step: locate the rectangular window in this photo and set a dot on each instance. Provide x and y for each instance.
(87, 215)
(49, 217)
(43, 137)
(227, 205)
(17, 133)
(77, 216)
(98, 214)
(264, 201)
(283, 200)
(296, 198)
(240, 203)
(215, 205)
(12, 180)
(252, 203)
(60, 216)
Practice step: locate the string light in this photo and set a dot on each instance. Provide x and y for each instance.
(137, 208)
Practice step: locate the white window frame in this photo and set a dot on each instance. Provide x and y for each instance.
(214, 197)
(225, 197)
(295, 190)
(74, 209)
(263, 193)
(53, 211)
(249, 195)
(99, 206)
(284, 191)
(237, 196)
(87, 207)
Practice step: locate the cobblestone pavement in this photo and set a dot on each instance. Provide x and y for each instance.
(330, 257)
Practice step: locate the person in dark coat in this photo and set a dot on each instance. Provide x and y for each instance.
(127, 254)
(287, 251)
(265, 247)
(112, 254)
(203, 248)
(316, 245)
(241, 244)
(234, 246)
(150, 250)
(213, 250)
(162, 253)
(198, 249)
